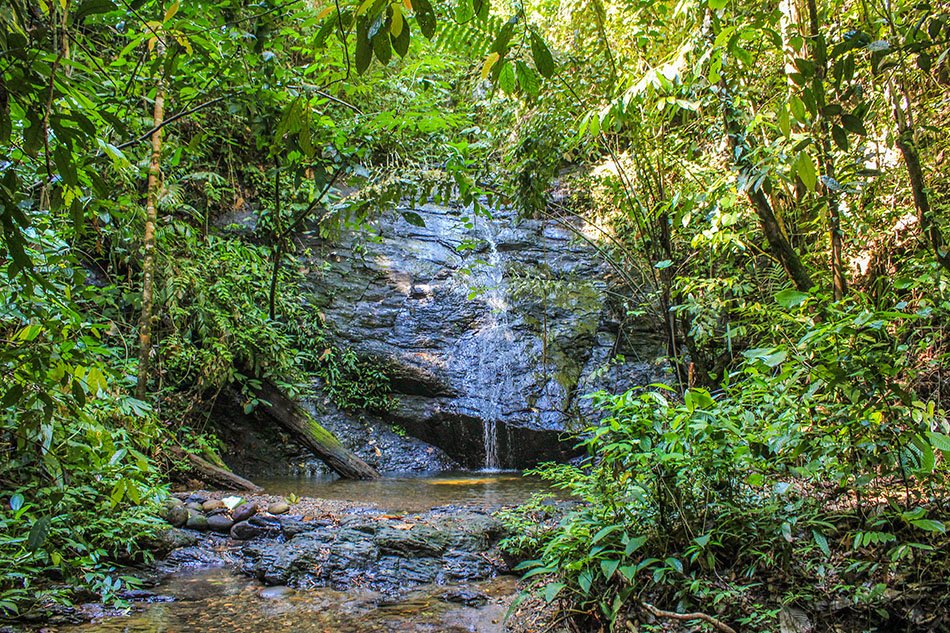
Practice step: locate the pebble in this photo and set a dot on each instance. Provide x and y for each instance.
(278, 507)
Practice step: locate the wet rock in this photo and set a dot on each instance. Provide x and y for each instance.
(244, 512)
(194, 506)
(196, 521)
(278, 507)
(255, 527)
(171, 502)
(176, 515)
(464, 337)
(372, 551)
(462, 595)
(170, 539)
(220, 523)
(212, 504)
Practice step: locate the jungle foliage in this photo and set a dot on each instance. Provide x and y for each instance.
(762, 177)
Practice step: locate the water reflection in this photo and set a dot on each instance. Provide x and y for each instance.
(418, 493)
(218, 601)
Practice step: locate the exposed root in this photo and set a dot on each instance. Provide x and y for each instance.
(671, 615)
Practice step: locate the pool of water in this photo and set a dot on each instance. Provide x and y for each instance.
(415, 493)
(218, 601)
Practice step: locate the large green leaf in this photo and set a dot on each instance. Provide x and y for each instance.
(543, 60)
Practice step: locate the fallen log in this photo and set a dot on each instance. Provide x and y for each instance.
(214, 475)
(308, 432)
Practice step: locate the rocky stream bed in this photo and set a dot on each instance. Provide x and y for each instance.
(262, 563)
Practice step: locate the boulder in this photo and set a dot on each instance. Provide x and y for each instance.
(244, 512)
(220, 523)
(196, 521)
(176, 515)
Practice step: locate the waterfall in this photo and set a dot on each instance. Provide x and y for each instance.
(493, 339)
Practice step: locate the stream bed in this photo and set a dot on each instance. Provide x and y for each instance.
(412, 554)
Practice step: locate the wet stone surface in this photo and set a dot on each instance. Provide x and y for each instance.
(385, 553)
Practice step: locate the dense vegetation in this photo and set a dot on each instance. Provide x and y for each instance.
(764, 179)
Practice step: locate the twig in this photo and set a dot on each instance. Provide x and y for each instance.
(672, 615)
(147, 135)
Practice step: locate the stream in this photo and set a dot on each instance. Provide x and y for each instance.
(217, 598)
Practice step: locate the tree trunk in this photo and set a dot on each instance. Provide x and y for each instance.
(906, 144)
(308, 432)
(741, 148)
(214, 475)
(839, 283)
(778, 241)
(151, 215)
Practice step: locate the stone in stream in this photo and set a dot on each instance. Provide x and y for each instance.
(196, 521)
(278, 507)
(194, 505)
(220, 523)
(255, 527)
(176, 515)
(212, 504)
(167, 540)
(244, 512)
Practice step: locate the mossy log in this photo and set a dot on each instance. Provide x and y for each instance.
(214, 475)
(309, 433)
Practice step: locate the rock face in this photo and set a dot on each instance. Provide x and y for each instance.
(491, 330)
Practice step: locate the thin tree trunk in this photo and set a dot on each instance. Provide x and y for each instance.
(151, 215)
(741, 148)
(212, 474)
(778, 241)
(308, 432)
(279, 250)
(907, 145)
(839, 283)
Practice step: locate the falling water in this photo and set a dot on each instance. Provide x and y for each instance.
(493, 339)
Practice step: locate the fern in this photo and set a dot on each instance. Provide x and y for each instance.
(471, 37)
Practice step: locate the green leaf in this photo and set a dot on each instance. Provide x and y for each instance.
(38, 534)
(609, 567)
(506, 78)
(601, 533)
(717, 4)
(16, 502)
(939, 441)
(382, 46)
(840, 137)
(413, 218)
(929, 525)
(584, 580)
(364, 50)
(853, 124)
(425, 16)
(543, 60)
(401, 42)
(551, 590)
(527, 79)
(790, 298)
(806, 170)
(92, 7)
(822, 542)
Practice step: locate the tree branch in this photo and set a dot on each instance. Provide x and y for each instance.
(147, 135)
